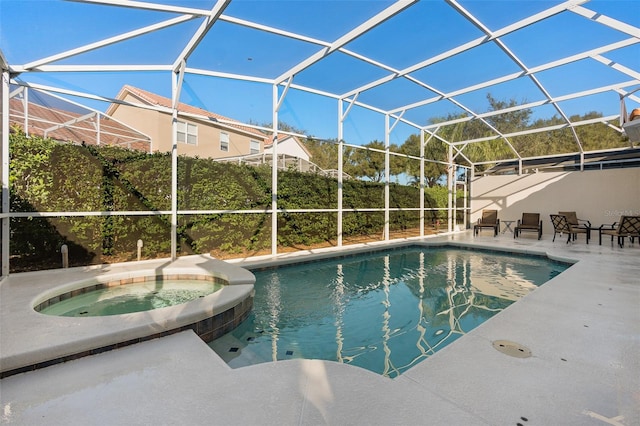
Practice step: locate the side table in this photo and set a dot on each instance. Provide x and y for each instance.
(507, 225)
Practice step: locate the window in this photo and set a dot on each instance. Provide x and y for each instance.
(254, 147)
(224, 141)
(187, 133)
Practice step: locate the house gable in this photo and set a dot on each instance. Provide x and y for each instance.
(200, 132)
(290, 145)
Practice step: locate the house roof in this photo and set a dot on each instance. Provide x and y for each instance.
(160, 101)
(77, 126)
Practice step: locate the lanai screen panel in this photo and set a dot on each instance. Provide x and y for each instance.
(396, 58)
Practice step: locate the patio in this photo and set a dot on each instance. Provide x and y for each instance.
(583, 368)
(362, 73)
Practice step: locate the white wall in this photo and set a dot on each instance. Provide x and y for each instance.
(290, 147)
(600, 196)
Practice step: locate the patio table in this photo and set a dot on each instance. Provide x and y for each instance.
(507, 225)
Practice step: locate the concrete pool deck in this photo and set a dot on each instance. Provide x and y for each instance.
(582, 327)
(29, 339)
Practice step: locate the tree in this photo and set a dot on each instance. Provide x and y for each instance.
(324, 153)
(493, 149)
(366, 163)
(434, 149)
(510, 121)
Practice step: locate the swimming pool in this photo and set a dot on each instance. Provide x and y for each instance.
(383, 311)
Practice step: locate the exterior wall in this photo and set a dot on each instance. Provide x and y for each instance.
(209, 142)
(600, 196)
(290, 147)
(158, 126)
(146, 121)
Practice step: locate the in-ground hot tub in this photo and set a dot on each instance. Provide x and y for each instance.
(131, 295)
(64, 338)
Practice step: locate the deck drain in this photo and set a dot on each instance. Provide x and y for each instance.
(512, 348)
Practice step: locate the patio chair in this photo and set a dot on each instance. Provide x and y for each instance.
(562, 225)
(529, 222)
(489, 219)
(628, 226)
(577, 223)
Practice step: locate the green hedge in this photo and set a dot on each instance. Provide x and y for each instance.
(48, 176)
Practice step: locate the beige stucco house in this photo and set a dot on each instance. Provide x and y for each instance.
(200, 133)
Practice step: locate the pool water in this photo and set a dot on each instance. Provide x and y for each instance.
(381, 311)
(131, 298)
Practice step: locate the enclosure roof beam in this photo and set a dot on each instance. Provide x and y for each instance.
(284, 93)
(201, 32)
(471, 18)
(108, 41)
(351, 102)
(541, 129)
(149, 6)
(4, 66)
(614, 87)
(16, 92)
(389, 12)
(618, 67)
(92, 68)
(606, 20)
(533, 70)
(469, 45)
(272, 30)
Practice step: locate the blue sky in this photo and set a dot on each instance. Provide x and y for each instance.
(34, 29)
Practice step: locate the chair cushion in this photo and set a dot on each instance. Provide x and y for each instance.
(528, 226)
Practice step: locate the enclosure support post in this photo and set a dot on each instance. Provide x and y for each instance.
(274, 175)
(421, 185)
(454, 201)
(4, 232)
(174, 173)
(387, 177)
(340, 168)
(450, 183)
(465, 203)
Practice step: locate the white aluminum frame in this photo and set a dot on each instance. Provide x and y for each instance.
(179, 68)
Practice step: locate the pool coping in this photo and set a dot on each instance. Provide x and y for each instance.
(24, 341)
(309, 256)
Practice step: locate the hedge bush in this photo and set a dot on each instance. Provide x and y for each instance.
(48, 176)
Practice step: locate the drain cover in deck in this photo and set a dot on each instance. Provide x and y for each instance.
(512, 348)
